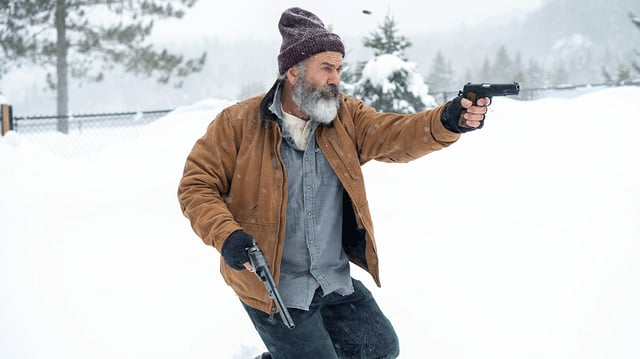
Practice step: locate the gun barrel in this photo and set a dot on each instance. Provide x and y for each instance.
(261, 267)
(275, 295)
(491, 89)
(505, 89)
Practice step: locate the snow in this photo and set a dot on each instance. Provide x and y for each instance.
(381, 69)
(520, 241)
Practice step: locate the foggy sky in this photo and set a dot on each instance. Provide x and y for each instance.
(250, 19)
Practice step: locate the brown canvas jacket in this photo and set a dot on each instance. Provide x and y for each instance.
(234, 178)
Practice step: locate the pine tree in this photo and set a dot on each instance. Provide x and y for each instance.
(389, 82)
(251, 89)
(535, 75)
(636, 21)
(386, 40)
(467, 77)
(636, 66)
(81, 39)
(440, 77)
(624, 74)
(487, 70)
(560, 76)
(518, 71)
(502, 66)
(606, 75)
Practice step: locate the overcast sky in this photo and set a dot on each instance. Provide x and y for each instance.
(251, 19)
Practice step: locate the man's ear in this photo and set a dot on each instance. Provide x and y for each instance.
(292, 75)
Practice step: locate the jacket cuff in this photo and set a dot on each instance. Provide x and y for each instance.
(439, 132)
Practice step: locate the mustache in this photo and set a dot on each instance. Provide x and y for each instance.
(330, 91)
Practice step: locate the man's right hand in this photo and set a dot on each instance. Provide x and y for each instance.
(234, 250)
(461, 115)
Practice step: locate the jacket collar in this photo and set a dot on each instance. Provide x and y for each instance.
(267, 101)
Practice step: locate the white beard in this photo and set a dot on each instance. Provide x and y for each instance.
(324, 111)
(321, 104)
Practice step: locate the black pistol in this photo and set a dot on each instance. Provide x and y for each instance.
(261, 267)
(473, 91)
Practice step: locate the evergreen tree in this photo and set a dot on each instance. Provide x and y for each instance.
(81, 39)
(636, 66)
(518, 71)
(388, 82)
(251, 89)
(606, 75)
(440, 77)
(487, 69)
(535, 76)
(636, 21)
(624, 74)
(351, 73)
(560, 76)
(386, 40)
(502, 66)
(467, 77)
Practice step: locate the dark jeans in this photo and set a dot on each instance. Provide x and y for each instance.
(335, 326)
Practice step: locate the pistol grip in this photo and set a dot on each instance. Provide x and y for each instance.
(473, 97)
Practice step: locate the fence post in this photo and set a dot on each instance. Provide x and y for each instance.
(6, 120)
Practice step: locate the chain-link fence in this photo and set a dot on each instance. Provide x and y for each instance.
(75, 135)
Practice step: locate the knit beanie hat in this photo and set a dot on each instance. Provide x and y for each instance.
(304, 35)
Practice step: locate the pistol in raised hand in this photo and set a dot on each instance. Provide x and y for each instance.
(474, 91)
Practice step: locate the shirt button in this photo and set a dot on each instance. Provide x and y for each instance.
(309, 213)
(309, 187)
(306, 158)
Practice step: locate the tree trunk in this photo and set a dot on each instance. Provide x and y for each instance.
(62, 87)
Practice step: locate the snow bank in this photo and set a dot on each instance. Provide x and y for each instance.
(519, 241)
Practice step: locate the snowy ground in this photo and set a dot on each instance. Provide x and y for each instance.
(520, 241)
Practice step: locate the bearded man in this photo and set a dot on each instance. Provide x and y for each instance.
(283, 170)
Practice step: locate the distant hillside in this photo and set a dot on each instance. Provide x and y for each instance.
(583, 35)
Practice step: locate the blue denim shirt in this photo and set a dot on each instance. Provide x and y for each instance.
(313, 255)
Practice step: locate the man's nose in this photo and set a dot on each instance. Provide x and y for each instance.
(334, 78)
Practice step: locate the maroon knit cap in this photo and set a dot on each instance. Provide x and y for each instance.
(304, 35)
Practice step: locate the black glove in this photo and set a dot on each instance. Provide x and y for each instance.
(234, 249)
(451, 117)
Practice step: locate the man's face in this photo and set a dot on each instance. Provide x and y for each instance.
(323, 69)
(316, 89)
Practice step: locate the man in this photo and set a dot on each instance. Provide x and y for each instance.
(283, 169)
